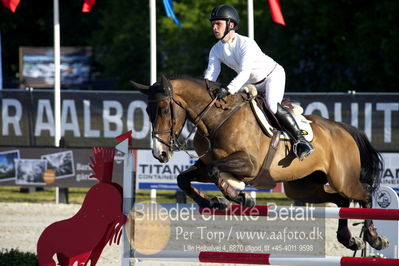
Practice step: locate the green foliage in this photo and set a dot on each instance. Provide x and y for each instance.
(326, 46)
(336, 45)
(14, 257)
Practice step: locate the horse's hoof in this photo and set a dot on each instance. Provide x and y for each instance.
(381, 242)
(204, 204)
(377, 242)
(247, 200)
(356, 243)
(213, 172)
(219, 203)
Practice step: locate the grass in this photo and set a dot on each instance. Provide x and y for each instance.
(13, 194)
(77, 195)
(262, 198)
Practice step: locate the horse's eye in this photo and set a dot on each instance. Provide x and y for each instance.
(164, 111)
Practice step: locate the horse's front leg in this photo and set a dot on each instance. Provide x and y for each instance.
(239, 165)
(197, 172)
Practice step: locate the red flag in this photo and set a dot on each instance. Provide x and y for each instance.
(11, 4)
(275, 9)
(87, 5)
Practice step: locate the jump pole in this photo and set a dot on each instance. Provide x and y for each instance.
(312, 212)
(261, 259)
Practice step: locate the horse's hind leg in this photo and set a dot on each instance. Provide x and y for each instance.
(360, 192)
(362, 195)
(344, 235)
(371, 235)
(238, 164)
(315, 193)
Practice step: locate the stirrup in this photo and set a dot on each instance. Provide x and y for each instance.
(304, 153)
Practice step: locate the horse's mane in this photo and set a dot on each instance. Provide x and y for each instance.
(198, 80)
(184, 76)
(156, 91)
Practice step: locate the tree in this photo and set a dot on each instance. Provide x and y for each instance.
(326, 46)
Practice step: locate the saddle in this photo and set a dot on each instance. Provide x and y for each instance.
(269, 123)
(270, 127)
(266, 119)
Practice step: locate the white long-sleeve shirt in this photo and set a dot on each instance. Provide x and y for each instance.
(244, 56)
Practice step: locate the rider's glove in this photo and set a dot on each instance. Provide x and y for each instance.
(221, 93)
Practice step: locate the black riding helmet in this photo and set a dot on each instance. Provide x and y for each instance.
(227, 13)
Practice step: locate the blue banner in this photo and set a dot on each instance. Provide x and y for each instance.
(168, 4)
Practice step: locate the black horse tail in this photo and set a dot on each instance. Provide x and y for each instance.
(371, 160)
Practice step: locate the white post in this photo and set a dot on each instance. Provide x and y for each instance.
(153, 195)
(57, 76)
(57, 195)
(251, 19)
(153, 33)
(128, 196)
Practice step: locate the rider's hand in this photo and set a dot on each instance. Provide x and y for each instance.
(221, 93)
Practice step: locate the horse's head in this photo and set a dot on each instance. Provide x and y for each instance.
(167, 118)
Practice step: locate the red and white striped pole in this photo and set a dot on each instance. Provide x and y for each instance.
(261, 259)
(312, 212)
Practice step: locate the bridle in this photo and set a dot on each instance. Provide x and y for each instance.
(174, 144)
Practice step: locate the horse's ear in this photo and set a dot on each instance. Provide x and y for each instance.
(166, 84)
(140, 87)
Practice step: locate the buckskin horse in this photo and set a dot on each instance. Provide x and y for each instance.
(344, 166)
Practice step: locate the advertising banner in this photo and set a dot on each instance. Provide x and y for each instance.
(390, 175)
(69, 167)
(151, 174)
(37, 66)
(87, 118)
(51, 167)
(92, 117)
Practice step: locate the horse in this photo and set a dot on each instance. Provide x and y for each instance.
(344, 166)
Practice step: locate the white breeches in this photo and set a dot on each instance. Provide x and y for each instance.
(273, 88)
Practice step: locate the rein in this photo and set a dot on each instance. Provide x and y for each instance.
(183, 145)
(235, 109)
(174, 143)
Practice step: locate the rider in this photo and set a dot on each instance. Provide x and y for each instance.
(244, 56)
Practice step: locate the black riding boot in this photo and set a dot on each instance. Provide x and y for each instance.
(302, 148)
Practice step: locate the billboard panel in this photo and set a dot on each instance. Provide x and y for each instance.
(151, 174)
(37, 66)
(92, 117)
(70, 167)
(21, 166)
